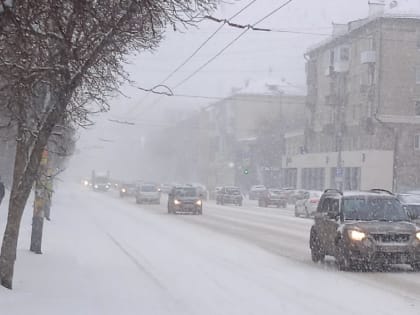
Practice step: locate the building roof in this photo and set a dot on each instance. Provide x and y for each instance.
(270, 87)
(394, 9)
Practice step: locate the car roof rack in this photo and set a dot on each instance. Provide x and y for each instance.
(333, 190)
(381, 191)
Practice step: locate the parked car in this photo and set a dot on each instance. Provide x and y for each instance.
(308, 203)
(272, 197)
(255, 191)
(185, 199)
(127, 190)
(411, 203)
(229, 195)
(364, 229)
(148, 193)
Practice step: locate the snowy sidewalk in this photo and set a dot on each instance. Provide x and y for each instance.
(104, 256)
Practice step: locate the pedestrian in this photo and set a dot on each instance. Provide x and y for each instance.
(1, 190)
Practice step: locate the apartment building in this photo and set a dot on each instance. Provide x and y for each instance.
(246, 135)
(363, 106)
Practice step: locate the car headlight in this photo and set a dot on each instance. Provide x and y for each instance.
(356, 235)
(123, 190)
(96, 186)
(198, 202)
(177, 202)
(418, 235)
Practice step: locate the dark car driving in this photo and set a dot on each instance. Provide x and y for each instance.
(364, 229)
(185, 199)
(229, 195)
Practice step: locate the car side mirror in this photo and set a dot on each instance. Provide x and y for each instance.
(333, 215)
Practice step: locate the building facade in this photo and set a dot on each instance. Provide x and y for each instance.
(363, 107)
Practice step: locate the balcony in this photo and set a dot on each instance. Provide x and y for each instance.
(368, 57)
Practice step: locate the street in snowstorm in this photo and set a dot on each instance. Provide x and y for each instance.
(111, 256)
(209, 157)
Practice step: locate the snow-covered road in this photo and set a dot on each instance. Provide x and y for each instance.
(104, 255)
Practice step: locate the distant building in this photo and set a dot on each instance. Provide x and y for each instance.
(246, 134)
(363, 105)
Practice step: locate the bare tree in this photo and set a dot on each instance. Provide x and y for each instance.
(75, 52)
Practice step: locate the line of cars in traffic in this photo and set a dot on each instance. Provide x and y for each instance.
(186, 198)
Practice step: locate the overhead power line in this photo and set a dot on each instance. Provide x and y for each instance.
(199, 48)
(232, 42)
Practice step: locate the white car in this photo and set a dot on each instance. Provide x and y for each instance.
(307, 205)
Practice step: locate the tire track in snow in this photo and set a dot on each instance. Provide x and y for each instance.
(135, 261)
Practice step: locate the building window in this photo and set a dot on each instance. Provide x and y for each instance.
(351, 178)
(417, 108)
(290, 177)
(372, 43)
(418, 75)
(417, 142)
(418, 39)
(344, 54)
(313, 178)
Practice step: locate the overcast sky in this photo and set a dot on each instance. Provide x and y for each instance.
(273, 56)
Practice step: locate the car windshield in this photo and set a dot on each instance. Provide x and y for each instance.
(274, 191)
(148, 188)
(373, 209)
(186, 192)
(410, 198)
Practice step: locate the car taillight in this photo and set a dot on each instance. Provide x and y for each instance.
(314, 201)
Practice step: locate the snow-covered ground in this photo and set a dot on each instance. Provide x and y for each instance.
(103, 255)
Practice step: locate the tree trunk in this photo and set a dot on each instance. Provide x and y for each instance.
(29, 150)
(18, 197)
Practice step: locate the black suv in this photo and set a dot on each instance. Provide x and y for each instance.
(364, 229)
(230, 195)
(185, 199)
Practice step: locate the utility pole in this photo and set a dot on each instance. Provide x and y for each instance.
(340, 121)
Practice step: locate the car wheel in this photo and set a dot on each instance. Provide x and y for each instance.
(316, 250)
(415, 266)
(296, 212)
(240, 204)
(137, 200)
(259, 203)
(306, 212)
(342, 257)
